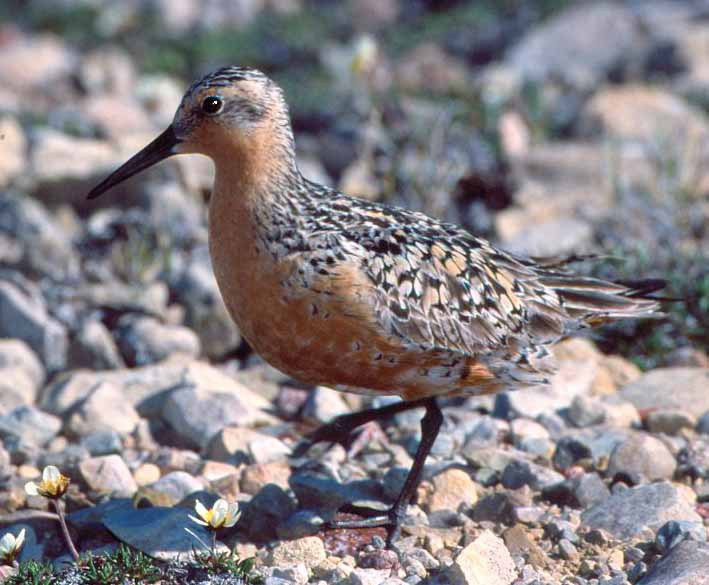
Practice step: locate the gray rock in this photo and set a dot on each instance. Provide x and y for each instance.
(102, 442)
(361, 576)
(29, 424)
(496, 507)
(93, 347)
(670, 422)
(566, 46)
(196, 414)
(524, 428)
(672, 533)
(149, 299)
(632, 511)
(145, 340)
(573, 378)
(16, 353)
(233, 445)
(320, 492)
(296, 574)
(485, 431)
(108, 474)
(703, 424)
(299, 524)
(586, 411)
(90, 519)
(104, 409)
(324, 404)
(16, 389)
(558, 529)
(485, 560)
(554, 236)
(5, 468)
(672, 389)
(519, 473)
(619, 412)
(686, 564)
(567, 550)
(68, 459)
(158, 532)
(266, 511)
(593, 444)
(641, 456)
(581, 491)
(268, 449)
(46, 248)
(23, 315)
(147, 387)
(177, 485)
(65, 167)
(196, 289)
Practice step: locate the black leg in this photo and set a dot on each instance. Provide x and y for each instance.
(339, 430)
(430, 425)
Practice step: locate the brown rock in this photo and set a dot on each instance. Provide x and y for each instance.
(108, 474)
(518, 542)
(452, 489)
(214, 470)
(254, 477)
(635, 112)
(146, 474)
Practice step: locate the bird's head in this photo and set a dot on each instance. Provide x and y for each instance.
(234, 115)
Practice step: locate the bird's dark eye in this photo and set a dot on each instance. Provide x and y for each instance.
(212, 104)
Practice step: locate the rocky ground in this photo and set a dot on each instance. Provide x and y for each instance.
(549, 128)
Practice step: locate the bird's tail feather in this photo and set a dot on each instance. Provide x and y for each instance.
(594, 301)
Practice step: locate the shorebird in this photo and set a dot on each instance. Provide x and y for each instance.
(361, 296)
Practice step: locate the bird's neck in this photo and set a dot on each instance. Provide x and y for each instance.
(260, 195)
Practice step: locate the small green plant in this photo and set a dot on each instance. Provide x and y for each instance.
(218, 563)
(124, 566)
(33, 573)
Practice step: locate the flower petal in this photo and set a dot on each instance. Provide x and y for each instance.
(218, 513)
(197, 520)
(19, 541)
(201, 510)
(51, 474)
(232, 515)
(31, 488)
(7, 543)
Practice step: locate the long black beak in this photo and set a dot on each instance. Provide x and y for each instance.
(159, 149)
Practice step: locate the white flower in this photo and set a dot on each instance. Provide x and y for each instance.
(364, 54)
(10, 546)
(222, 515)
(53, 484)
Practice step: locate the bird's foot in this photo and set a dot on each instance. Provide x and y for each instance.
(372, 518)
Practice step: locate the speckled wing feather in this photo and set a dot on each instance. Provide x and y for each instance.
(455, 292)
(436, 286)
